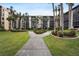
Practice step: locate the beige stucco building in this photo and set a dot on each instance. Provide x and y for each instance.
(4, 13)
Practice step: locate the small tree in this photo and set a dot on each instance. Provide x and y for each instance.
(10, 19)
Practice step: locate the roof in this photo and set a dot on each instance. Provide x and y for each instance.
(72, 9)
(75, 7)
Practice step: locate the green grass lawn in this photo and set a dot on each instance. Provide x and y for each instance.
(11, 42)
(59, 47)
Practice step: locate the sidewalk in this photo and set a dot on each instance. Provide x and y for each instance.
(35, 46)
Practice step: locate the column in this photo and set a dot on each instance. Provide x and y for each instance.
(38, 23)
(71, 20)
(21, 24)
(17, 21)
(48, 23)
(30, 22)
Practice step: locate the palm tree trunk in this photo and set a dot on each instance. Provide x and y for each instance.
(17, 23)
(70, 17)
(20, 24)
(56, 19)
(11, 25)
(53, 15)
(61, 17)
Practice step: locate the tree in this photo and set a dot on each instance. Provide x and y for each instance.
(18, 16)
(26, 14)
(56, 17)
(53, 14)
(38, 21)
(10, 18)
(70, 15)
(61, 17)
(23, 20)
(20, 20)
(11, 9)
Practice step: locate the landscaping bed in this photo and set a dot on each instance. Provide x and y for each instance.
(71, 33)
(39, 31)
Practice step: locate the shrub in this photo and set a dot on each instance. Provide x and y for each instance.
(57, 33)
(54, 32)
(39, 31)
(59, 28)
(67, 33)
(60, 34)
(70, 33)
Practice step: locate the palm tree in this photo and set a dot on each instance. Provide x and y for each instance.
(39, 21)
(56, 22)
(16, 16)
(35, 22)
(25, 17)
(11, 10)
(61, 17)
(26, 14)
(11, 18)
(53, 15)
(20, 20)
(70, 15)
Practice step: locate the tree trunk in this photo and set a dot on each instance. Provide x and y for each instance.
(56, 19)
(61, 17)
(39, 23)
(20, 24)
(53, 15)
(70, 17)
(11, 25)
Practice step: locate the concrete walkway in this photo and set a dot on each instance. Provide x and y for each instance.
(35, 46)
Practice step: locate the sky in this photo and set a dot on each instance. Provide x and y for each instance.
(44, 9)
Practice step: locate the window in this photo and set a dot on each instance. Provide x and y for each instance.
(2, 14)
(2, 18)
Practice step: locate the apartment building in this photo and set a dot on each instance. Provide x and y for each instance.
(14, 24)
(36, 21)
(41, 22)
(75, 18)
(4, 13)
